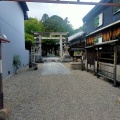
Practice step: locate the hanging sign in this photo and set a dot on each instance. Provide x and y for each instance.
(77, 53)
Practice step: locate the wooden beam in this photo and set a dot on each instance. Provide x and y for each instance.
(58, 33)
(69, 2)
(86, 59)
(97, 61)
(50, 33)
(4, 40)
(52, 38)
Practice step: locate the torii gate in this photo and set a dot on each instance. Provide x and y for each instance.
(50, 36)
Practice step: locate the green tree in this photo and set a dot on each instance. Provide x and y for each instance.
(50, 42)
(29, 39)
(44, 17)
(32, 24)
(53, 24)
(67, 26)
(57, 24)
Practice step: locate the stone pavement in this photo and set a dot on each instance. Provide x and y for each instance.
(52, 68)
(52, 59)
(55, 92)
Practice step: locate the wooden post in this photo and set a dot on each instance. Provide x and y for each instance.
(87, 61)
(1, 83)
(61, 46)
(40, 49)
(97, 62)
(94, 60)
(115, 66)
(82, 63)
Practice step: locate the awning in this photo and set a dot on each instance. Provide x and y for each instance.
(75, 36)
(3, 38)
(112, 42)
(106, 43)
(89, 47)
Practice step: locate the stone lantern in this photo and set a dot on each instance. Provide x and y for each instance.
(66, 55)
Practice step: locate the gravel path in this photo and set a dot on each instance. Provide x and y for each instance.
(32, 95)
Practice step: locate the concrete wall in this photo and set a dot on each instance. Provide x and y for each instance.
(12, 25)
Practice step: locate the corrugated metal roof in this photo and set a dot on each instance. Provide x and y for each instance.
(75, 36)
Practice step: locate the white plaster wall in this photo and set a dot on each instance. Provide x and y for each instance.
(12, 25)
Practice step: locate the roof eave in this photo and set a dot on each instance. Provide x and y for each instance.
(75, 36)
(24, 8)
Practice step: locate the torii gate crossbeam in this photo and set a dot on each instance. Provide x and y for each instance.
(77, 2)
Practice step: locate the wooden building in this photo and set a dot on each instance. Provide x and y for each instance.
(103, 40)
(77, 42)
(77, 50)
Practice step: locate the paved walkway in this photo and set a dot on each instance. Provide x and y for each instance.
(51, 59)
(52, 68)
(54, 92)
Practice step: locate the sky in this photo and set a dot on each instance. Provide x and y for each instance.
(75, 13)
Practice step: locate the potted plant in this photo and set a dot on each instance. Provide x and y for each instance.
(16, 62)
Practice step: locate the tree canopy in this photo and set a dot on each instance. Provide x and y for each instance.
(47, 24)
(57, 24)
(32, 24)
(44, 17)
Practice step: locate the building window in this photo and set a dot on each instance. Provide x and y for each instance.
(116, 9)
(98, 39)
(98, 21)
